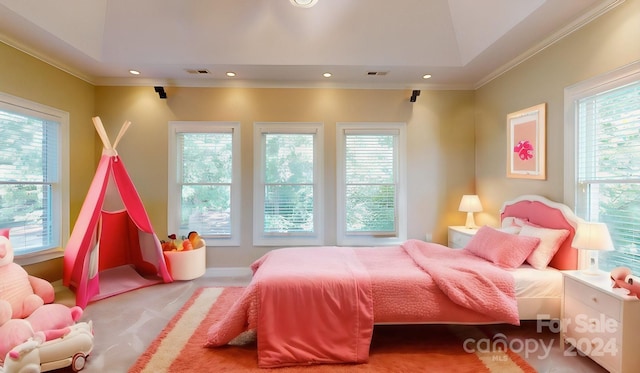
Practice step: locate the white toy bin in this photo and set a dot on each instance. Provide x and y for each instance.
(186, 265)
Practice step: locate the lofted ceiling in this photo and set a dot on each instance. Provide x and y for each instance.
(462, 44)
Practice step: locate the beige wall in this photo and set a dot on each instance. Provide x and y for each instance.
(440, 145)
(24, 76)
(611, 41)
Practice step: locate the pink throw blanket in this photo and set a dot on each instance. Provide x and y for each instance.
(313, 306)
(468, 281)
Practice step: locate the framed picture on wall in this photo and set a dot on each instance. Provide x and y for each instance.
(526, 150)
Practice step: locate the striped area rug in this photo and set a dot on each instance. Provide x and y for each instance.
(397, 348)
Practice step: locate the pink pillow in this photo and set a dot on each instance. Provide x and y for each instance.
(501, 248)
(550, 242)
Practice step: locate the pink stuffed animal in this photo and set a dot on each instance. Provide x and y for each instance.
(54, 316)
(13, 333)
(623, 278)
(48, 322)
(20, 293)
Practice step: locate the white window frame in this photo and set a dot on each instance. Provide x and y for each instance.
(572, 94)
(344, 239)
(174, 199)
(59, 189)
(259, 237)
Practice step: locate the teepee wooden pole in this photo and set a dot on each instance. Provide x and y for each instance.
(123, 129)
(102, 133)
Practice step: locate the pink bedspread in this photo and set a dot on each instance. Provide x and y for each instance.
(312, 306)
(318, 304)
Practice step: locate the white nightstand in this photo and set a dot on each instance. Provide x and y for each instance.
(459, 236)
(600, 322)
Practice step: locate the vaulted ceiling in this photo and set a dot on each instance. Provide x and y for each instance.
(462, 44)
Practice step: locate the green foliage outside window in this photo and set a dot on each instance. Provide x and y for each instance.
(609, 170)
(288, 174)
(206, 173)
(28, 155)
(370, 183)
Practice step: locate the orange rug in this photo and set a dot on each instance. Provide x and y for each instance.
(397, 348)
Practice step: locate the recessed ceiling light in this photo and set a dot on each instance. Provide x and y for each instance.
(134, 72)
(327, 75)
(231, 74)
(304, 3)
(426, 76)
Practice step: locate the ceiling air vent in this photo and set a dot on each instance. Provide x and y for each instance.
(377, 73)
(198, 71)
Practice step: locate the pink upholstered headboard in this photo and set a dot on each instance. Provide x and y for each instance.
(546, 213)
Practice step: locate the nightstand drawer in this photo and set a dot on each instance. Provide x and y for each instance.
(593, 298)
(603, 351)
(593, 333)
(584, 321)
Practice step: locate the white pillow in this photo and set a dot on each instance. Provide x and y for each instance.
(510, 221)
(513, 229)
(550, 242)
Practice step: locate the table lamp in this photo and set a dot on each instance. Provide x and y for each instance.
(592, 237)
(470, 203)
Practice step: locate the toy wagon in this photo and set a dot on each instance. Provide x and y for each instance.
(70, 350)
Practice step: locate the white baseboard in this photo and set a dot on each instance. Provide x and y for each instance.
(229, 271)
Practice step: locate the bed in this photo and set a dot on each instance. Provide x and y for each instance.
(319, 305)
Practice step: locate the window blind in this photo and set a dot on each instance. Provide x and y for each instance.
(288, 182)
(608, 169)
(371, 186)
(29, 158)
(609, 136)
(205, 171)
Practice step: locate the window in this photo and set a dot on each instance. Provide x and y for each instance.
(33, 178)
(604, 114)
(371, 184)
(204, 181)
(288, 184)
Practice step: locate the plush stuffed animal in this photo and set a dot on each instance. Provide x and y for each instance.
(20, 293)
(15, 332)
(48, 322)
(54, 316)
(622, 278)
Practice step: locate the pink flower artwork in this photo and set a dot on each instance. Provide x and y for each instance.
(524, 150)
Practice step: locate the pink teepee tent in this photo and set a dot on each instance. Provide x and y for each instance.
(112, 248)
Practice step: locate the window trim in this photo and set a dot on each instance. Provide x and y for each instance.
(60, 190)
(572, 94)
(261, 239)
(173, 202)
(362, 239)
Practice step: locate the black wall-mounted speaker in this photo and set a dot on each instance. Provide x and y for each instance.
(160, 91)
(414, 95)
